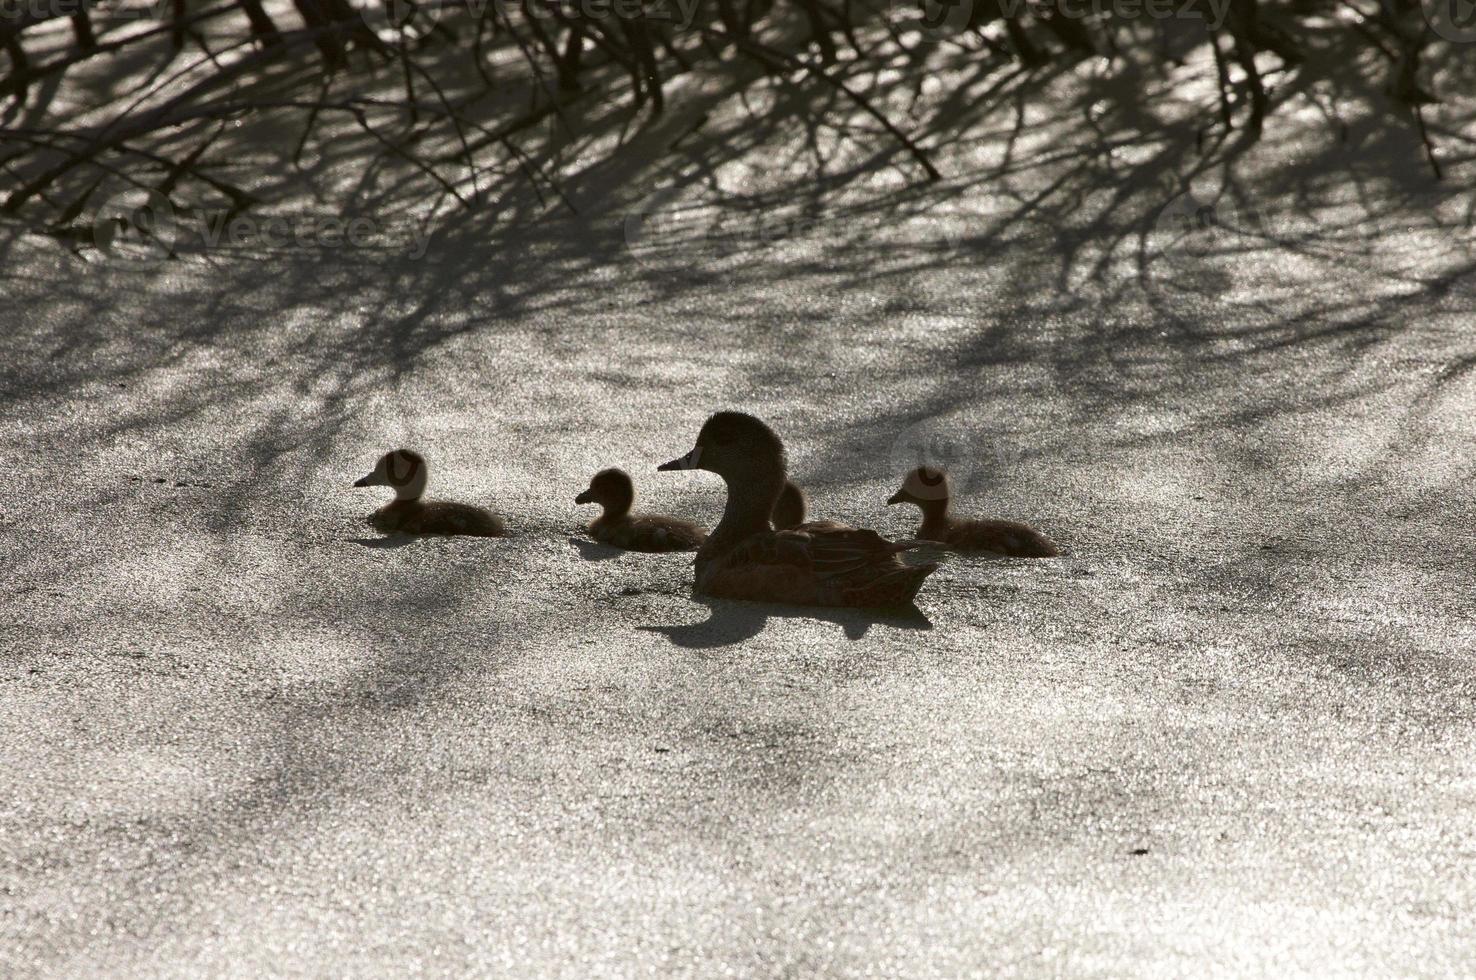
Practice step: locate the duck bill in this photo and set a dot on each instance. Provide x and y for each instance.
(687, 462)
(367, 481)
(584, 498)
(896, 498)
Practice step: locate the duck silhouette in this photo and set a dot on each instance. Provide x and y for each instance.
(931, 492)
(817, 564)
(409, 513)
(614, 490)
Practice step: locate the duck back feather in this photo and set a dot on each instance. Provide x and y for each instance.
(817, 564)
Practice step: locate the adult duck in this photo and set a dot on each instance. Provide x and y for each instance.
(819, 564)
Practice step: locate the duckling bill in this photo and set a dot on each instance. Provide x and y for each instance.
(614, 490)
(817, 564)
(931, 492)
(409, 513)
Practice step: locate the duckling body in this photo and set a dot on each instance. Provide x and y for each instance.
(618, 527)
(410, 513)
(815, 564)
(436, 517)
(1009, 538)
(931, 492)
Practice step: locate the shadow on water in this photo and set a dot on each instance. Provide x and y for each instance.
(594, 550)
(1013, 275)
(388, 542)
(731, 621)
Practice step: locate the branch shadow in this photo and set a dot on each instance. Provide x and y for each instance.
(1048, 305)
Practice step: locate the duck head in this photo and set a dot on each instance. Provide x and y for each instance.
(737, 447)
(926, 487)
(403, 470)
(610, 488)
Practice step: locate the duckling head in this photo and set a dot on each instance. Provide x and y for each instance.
(737, 447)
(926, 487)
(403, 469)
(790, 508)
(610, 488)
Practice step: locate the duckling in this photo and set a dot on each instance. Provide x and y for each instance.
(614, 490)
(931, 491)
(790, 508)
(818, 564)
(406, 471)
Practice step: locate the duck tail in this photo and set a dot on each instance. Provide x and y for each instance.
(921, 548)
(909, 580)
